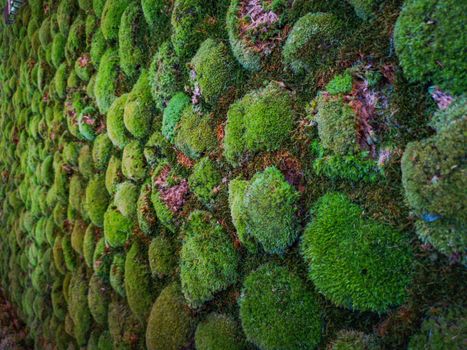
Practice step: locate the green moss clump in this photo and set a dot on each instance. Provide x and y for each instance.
(101, 151)
(83, 67)
(113, 174)
(98, 47)
(170, 325)
(115, 125)
(76, 193)
(428, 45)
(433, 176)
(365, 9)
(97, 200)
(165, 75)
(264, 209)
(78, 307)
(59, 305)
(98, 7)
(58, 49)
(277, 311)
(117, 228)
(98, 299)
(162, 256)
(356, 262)
(218, 332)
(69, 255)
(443, 329)
(85, 162)
(105, 86)
(208, 260)
(204, 179)
(77, 236)
(261, 121)
(340, 84)
(133, 162)
(111, 16)
(126, 197)
(319, 33)
(353, 340)
(101, 259)
(131, 40)
(138, 284)
(88, 122)
(212, 70)
(58, 257)
(146, 215)
(76, 40)
(117, 274)
(139, 108)
(157, 15)
(70, 153)
(173, 113)
(90, 239)
(60, 80)
(124, 328)
(194, 134)
(105, 341)
(65, 12)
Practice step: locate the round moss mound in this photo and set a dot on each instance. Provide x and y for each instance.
(106, 78)
(101, 151)
(261, 121)
(157, 15)
(218, 332)
(264, 209)
(162, 256)
(98, 299)
(173, 113)
(85, 162)
(354, 261)
(319, 33)
(428, 45)
(113, 174)
(433, 176)
(170, 326)
(146, 215)
(125, 199)
(58, 49)
(204, 180)
(117, 228)
(90, 239)
(443, 329)
(208, 260)
(277, 311)
(115, 124)
(117, 274)
(97, 200)
(78, 307)
(111, 17)
(133, 162)
(88, 123)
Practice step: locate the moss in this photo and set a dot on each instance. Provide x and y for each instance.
(194, 135)
(204, 180)
(146, 216)
(213, 70)
(133, 162)
(162, 256)
(115, 125)
(138, 285)
(165, 75)
(97, 200)
(365, 9)
(432, 176)
(72, 83)
(70, 153)
(102, 259)
(90, 239)
(85, 5)
(113, 174)
(320, 33)
(101, 151)
(340, 84)
(83, 67)
(117, 274)
(98, 47)
(170, 325)
(428, 45)
(65, 11)
(157, 16)
(117, 228)
(69, 255)
(78, 307)
(111, 15)
(77, 236)
(353, 340)
(98, 299)
(44, 33)
(208, 261)
(58, 257)
(76, 40)
(105, 86)
(124, 328)
(58, 49)
(98, 7)
(218, 332)
(77, 191)
(88, 123)
(354, 261)
(59, 305)
(264, 209)
(139, 109)
(277, 311)
(173, 113)
(85, 162)
(126, 197)
(443, 329)
(60, 80)
(105, 341)
(261, 121)
(131, 40)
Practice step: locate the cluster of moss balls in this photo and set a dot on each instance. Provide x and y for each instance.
(169, 171)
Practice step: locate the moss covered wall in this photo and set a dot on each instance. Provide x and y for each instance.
(244, 174)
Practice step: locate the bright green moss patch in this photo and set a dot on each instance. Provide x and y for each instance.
(111, 16)
(218, 332)
(85, 162)
(115, 124)
(170, 326)
(58, 49)
(90, 239)
(162, 256)
(101, 151)
(208, 261)
(117, 228)
(105, 86)
(204, 180)
(157, 15)
(126, 197)
(97, 200)
(88, 123)
(261, 121)
(133, 161)
(78, 307)
(113, 174)
(356, 262)
(117, 274)
(173, 113)
(428, 45)
(277, 311)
